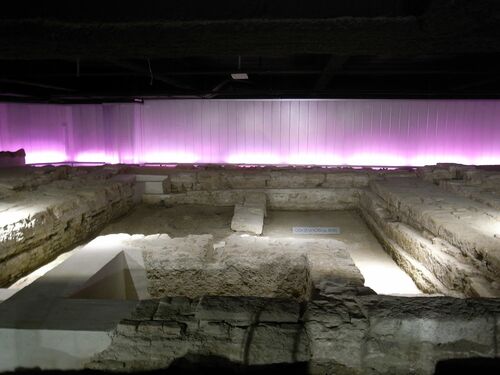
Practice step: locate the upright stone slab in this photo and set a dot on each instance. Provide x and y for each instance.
(247, 219)
(256, 200)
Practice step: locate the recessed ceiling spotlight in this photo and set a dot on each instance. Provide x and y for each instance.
(239, 76)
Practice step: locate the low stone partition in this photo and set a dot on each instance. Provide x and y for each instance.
(44, 212)
(195, 266)
(446, 242)
(341, 335)
(287, 188)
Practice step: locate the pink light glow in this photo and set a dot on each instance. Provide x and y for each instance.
(96, 157)
(314, 159)
(487, 160)
(42, 157)
(169, 157)
(253, 158)
(376, 159)
(298, 132)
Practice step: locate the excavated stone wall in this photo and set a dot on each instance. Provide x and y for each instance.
(196, 266)
(286, 188)
(45, 211)
(440, 223)
(341, 335)
(442, 228)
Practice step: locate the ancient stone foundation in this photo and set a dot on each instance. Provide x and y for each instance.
(44, 212)
(143, 302)
(440, 223)
(344, 334)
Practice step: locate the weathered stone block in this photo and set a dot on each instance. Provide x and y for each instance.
(182, 182)
(256, 200)
(247, 180)
(247, 219)
(289, 179)
(247, 310)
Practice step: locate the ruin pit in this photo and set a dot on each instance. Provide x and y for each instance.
(133, 268)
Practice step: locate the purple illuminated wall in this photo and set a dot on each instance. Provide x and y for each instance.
(333, 132)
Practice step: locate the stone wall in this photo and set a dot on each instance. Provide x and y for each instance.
(44, 212)
(440, 229)
(341, 335)
(287, 188)
(440, 223)
(196, 266)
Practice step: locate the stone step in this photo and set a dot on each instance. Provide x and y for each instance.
(444, 261)
(470, 226)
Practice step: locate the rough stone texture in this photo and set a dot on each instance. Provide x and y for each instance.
(12, 159)
(256, 200)
(486, 192)
(211, 178)
(277, 199)
(28, 178)
(287, 188)
(397, 335)
(247, 219)
(443, 171)
(341, 335)
(447, 243)
(244, 330)
(192, 267)
(246, 266)
(39, 224)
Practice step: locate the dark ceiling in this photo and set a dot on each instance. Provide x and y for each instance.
(89, 51)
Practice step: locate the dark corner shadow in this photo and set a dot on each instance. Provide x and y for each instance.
(192, 364)
(474, 366)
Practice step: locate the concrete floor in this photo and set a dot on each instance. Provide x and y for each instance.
(381, 273)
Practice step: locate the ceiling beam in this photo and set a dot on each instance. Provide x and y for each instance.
(148, 72)
(483, 82)
(35, 84)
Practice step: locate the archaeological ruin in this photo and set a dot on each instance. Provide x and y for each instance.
(250, 187)
(124, 268)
